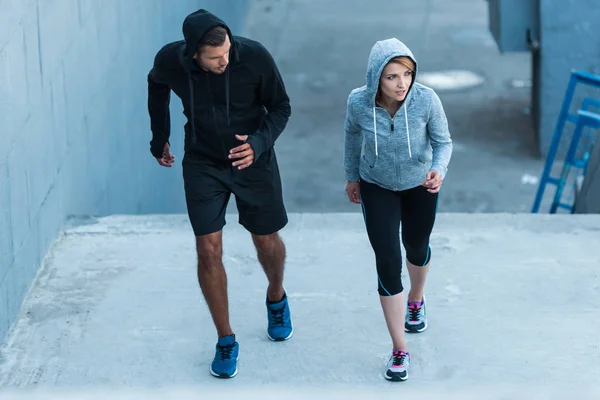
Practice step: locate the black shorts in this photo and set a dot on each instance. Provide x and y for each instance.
(209, 184)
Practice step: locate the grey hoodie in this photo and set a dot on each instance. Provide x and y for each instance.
(394, 153)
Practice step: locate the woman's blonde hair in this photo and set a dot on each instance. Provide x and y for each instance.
(405, 62)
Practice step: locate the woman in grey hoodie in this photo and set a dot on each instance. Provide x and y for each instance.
(397, 150)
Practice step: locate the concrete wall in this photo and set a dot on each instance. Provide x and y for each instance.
(74, 128)
(569, 39)
(562, 35)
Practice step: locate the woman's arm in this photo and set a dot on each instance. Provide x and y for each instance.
(352, 144)
(441, 143)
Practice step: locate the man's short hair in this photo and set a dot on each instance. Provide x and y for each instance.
(213, 37)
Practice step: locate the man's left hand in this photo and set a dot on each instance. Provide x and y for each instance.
(244, 154)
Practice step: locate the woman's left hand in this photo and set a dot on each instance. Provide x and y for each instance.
(433, 181)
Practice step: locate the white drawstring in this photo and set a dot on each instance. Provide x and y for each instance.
(375, 129)
(407, 132)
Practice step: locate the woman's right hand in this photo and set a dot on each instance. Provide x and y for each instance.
(353, 191)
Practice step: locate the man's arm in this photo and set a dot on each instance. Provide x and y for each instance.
(159, 96)
(273, 96)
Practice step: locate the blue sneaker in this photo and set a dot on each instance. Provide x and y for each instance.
(280, 322)
(225, 363)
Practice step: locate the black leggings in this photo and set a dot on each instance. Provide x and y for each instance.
(383, 210)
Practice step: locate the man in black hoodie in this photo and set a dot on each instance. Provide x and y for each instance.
(236, 105)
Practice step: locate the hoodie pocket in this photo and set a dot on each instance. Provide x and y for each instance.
(422, 160)
(424, 157)
(369, 154)
(369, 161)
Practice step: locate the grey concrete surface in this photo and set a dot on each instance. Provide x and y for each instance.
(278, 392)
(513, 302)
(322, 47)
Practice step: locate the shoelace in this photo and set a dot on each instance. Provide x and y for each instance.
(415, 311)
(225, 352)
(277, 316)
(399, 359)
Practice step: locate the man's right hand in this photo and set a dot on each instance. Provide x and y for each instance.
(167, 158)
(353, 191)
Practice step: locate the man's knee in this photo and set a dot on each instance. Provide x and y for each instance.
(210, 249)
(267, 244)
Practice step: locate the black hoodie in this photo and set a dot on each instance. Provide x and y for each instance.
(249, 98)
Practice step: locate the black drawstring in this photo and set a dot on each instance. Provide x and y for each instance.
(227, 93)
(193, 133)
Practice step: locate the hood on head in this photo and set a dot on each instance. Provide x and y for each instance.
(381, 53)
(195, 26)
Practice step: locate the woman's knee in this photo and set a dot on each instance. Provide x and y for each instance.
(418, 256)
(389, 276)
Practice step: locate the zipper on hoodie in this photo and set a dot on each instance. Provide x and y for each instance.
(212, 102)
(395, 159)
(396, 172)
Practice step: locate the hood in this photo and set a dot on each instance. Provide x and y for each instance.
(381, 53)
(195, 26)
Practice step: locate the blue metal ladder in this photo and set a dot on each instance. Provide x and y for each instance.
(582, 119)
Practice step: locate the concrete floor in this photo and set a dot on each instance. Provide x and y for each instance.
(513, 301)
(341, 393)
(322, 47)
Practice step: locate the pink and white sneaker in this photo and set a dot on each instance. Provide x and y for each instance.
(397, 367)
(416, 317)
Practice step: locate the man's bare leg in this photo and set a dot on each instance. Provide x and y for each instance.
(271, 255)
(213, 279)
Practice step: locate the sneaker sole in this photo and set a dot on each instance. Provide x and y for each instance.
(281, 339)
(224, 376)
(395, 378)
(423, 329)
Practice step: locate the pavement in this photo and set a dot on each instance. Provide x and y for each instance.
(321, 47)
(513, 301)
(276, 393)
(513, 298)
